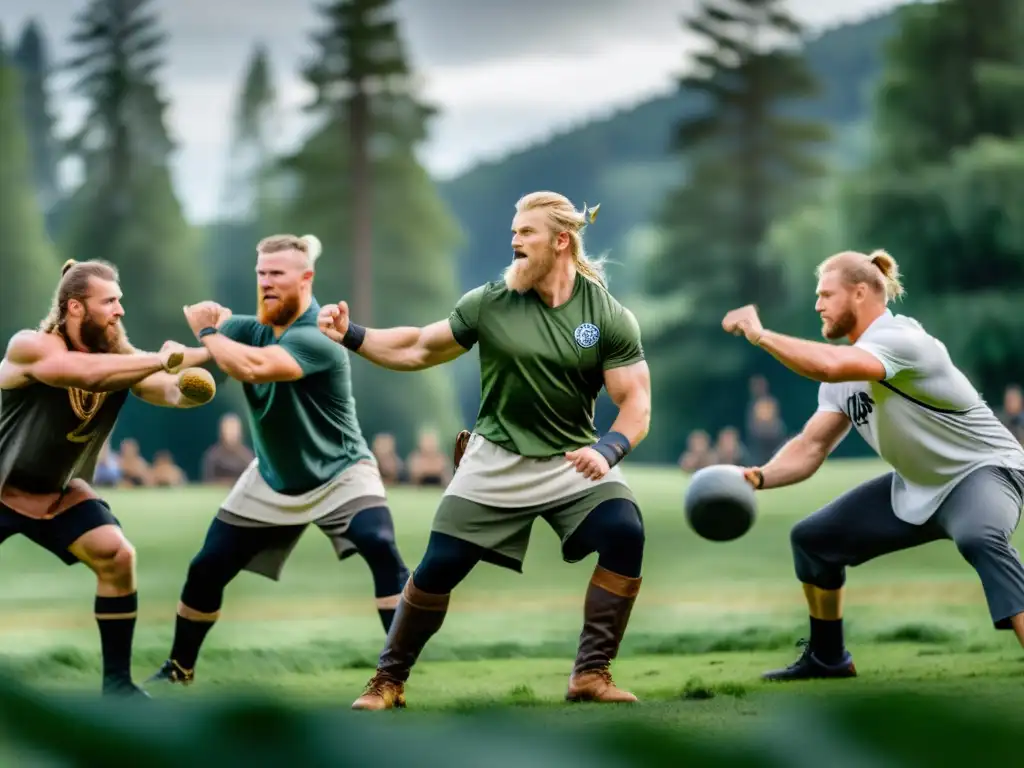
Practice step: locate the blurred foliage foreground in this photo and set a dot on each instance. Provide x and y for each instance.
(864, 729)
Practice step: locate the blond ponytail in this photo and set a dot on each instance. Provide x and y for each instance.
(890, 270)
(313, 247)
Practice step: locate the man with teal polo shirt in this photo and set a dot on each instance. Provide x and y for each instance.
(312, 463)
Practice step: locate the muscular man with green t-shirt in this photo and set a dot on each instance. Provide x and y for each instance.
(312, 464)
(550, 336)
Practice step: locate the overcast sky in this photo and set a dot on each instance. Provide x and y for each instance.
(504, 74)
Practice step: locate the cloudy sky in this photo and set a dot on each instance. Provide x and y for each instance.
(503, 73)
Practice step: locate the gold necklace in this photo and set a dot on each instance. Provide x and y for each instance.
(85, 404)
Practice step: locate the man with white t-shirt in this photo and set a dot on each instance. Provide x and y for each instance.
(957, 474)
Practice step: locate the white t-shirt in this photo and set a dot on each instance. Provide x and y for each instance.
(925, 419)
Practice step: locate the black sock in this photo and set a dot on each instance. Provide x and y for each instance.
(116, 619)
(387, 615)
(827, 640)
(188, 637)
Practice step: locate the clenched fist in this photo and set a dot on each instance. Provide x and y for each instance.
(333, 321)
(588, 463)
(744, 322)
(205, 314)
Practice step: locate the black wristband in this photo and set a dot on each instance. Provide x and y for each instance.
(760, 479)
(614, 446)
(353, 338)
(207, 331)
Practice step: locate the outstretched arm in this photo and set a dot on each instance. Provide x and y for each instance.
(399, 349)
(410, 349)
(43, 357)
(812, 359)
(821, 362)
(802, 456)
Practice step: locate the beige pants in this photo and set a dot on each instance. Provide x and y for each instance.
(489, 474)
(331, 507)
(253, 499)
(496, 496)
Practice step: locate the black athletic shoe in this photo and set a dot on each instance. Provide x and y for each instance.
(809, 667)
(122, 688)
(171, 672)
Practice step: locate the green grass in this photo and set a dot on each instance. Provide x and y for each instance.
(709, 619)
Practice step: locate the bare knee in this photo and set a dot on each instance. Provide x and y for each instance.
(109, 555)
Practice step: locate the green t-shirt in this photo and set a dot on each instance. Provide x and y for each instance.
(542, 368)
(304, 432)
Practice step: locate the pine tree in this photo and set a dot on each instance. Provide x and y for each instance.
(256, 124)
(748, 158)
(28, 265)
(32, 60)
(360, 187)
(364, 83)
(250, 203)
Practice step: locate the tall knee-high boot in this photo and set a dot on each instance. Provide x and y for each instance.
(606, 611)
(418, 617)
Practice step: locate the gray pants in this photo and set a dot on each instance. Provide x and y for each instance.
(979, 516)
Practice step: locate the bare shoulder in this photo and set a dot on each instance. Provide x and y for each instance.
(27, 347)
(23, 350)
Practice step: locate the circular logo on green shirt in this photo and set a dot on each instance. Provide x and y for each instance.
(586, 335)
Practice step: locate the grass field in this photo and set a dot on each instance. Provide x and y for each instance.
(709, 619)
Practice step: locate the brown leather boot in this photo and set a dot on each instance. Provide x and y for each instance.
(418, 616)
(609, 602)
(381, 693)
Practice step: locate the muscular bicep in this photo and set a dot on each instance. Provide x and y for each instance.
(825, 430)
(437, 344)
(628, 382)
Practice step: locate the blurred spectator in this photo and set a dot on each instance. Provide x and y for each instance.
(108, 468)
(388, 460)
(766, 431)
(134, 469)
(428, 465)
(1012, 414)
(729, 449)
(698, 452)
(164, 472)
(226, 460)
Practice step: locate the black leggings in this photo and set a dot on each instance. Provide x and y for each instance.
(614, 529)
(229, 548)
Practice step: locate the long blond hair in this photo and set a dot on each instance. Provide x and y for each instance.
(877, 269)
(565, 218)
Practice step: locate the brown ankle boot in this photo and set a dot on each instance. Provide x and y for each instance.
(418, 616)
(381, 693)
(609, 602)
